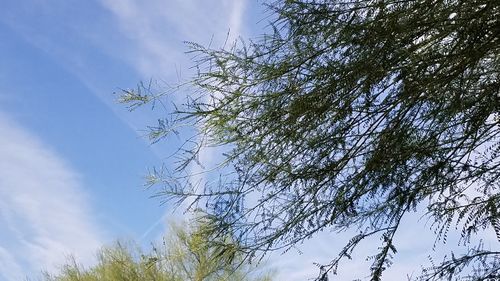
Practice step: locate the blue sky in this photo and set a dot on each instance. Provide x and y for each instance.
(72, 160)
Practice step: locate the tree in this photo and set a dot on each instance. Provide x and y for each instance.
(350, 115)
(184, 255)
(193, 257)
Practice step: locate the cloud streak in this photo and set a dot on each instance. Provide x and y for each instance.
(44, 211)
(158, 29)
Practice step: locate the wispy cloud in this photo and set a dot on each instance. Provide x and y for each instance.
(147, 37)
(158, 28)
(102, 41)
(44, 211)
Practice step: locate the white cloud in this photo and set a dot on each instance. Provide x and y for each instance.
(147, 36)
(158, 28)
(44, 211)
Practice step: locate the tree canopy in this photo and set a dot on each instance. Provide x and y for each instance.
(184, 255)
(350, 115)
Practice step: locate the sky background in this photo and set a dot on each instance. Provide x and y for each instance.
(72, 160)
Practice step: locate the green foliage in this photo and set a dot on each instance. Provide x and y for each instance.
(184, 255)
(351, 115)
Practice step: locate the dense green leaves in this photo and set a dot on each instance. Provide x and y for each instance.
(350, 115)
